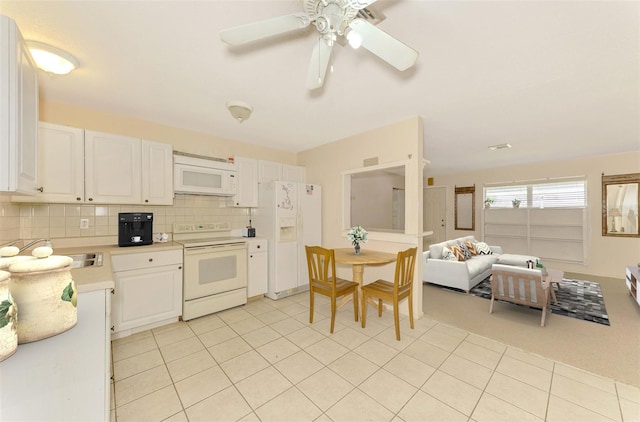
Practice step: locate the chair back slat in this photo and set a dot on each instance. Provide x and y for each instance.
(322, 266)
(405, 265)
(518, 286)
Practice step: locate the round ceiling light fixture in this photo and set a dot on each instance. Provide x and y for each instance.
(52, 59)
(240, 110)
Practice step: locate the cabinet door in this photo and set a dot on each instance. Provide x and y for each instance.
(18, 112)
(112, 169)
(60, 165)
(157, 173)
(146, 296)
(293, 173)
(268, 171)
(257, 267)
(247, 182)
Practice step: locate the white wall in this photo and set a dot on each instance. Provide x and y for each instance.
(397, 142)
(182, 139)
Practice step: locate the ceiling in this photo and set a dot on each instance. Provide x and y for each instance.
(555, 79)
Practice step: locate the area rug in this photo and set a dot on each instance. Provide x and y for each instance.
(577, 299)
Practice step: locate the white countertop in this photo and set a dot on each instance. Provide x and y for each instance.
(88, 279)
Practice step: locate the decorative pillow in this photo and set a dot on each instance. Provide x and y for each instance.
(457, 252)
(448, 255)
(483, 249)
(471, 245)
(465, 251)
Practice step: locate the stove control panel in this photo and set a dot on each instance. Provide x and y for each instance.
(201, 227)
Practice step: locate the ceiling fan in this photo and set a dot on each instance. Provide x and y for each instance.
(332, 19)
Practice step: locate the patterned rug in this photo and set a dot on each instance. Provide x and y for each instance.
(576, 299)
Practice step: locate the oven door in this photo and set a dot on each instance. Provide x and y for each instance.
(209, 270)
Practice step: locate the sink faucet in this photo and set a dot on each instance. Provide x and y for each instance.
(47, 242)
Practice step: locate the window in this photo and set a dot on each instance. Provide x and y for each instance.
(545, 219)
(553, 194)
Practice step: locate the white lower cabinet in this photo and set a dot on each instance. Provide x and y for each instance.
(65, 377)
(257, 267)
(148, 290)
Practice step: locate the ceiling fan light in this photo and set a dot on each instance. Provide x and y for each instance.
(52, 59)
(240, 111)
(355, 40)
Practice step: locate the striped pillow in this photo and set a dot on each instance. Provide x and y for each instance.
(457, 251)
(447, 255)
(471, 246)
(483, 249)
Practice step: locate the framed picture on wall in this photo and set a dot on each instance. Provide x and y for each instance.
(620, 199)
(465, 215)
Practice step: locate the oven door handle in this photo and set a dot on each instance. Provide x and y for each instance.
(226, 246)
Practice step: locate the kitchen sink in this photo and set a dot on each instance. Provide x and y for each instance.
(81, 260)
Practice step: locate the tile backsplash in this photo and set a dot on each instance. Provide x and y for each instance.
(55, 221)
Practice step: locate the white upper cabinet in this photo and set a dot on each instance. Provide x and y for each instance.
(60, 165)
(77, 165)
(112, 168)
(293, 173)
(269, 171)
(157, 173)
(18, 112)
(247, 182)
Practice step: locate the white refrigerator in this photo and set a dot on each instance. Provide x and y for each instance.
(289, 216)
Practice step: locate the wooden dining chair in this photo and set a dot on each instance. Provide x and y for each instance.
(323, 280)
(402, 287)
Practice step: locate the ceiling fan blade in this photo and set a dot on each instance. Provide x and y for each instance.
(319, 63)
(383, 45)
(360, 4)
(263, 29)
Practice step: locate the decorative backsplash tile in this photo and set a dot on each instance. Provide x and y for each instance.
(31, 221)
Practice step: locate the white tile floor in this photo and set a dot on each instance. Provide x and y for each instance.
(265, 362)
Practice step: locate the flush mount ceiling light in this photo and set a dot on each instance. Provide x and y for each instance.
(499, 146)
(240, 111)
(52, 59)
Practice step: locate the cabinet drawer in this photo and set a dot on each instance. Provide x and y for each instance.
(141, 260)
(257, 245)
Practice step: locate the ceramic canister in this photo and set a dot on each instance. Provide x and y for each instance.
(46, 293)
(8, 319)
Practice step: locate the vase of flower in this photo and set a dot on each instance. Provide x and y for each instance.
(357, 235)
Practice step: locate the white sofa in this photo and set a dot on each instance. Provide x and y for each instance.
(462, 275)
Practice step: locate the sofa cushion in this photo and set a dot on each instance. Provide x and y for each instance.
(447, 255)
(435, 250)
(465, 250)
(476, 266)
(471, 246)
(483, 249)
(457, 251)
(487, 260)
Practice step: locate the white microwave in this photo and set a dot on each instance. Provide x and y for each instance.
(204, 176)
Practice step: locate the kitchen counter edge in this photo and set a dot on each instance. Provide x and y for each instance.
(90, 279)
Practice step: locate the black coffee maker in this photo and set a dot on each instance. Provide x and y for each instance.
(135, 228)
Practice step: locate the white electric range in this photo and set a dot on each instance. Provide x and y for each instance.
(215, 268)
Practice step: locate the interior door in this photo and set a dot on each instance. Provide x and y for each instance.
(434, 214)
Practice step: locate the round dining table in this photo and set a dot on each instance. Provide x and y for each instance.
(357, 262)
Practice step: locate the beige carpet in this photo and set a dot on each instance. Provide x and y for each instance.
(611, 351)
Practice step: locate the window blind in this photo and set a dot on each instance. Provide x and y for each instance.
(564, 194)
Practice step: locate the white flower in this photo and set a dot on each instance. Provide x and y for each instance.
(357, 234)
